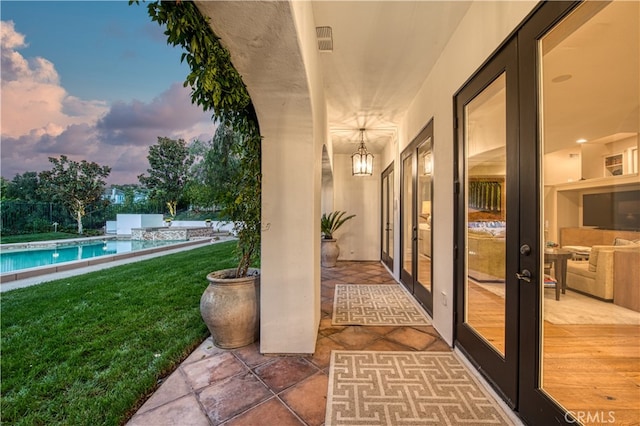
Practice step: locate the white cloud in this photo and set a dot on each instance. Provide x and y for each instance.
(40, 119)
(32, 98)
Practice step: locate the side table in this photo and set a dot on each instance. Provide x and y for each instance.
(559, 259)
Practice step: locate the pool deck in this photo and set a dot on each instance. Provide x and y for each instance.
(33, 276)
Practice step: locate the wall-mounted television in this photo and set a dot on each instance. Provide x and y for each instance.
(612, 210)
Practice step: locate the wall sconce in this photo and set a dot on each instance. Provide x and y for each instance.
(362, 160)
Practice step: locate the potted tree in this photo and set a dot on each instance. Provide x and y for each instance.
(230, 303)
(330, 223)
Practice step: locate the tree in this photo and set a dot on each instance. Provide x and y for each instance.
(74, 185)
(215, 176)
(4, 185)
(217, 86)
(24, 187)
(170, 162)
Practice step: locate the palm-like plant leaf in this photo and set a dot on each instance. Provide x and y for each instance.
(329, 223)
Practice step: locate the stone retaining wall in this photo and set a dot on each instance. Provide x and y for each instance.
(173, 233)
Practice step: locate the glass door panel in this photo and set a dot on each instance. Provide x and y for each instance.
(590, 212)
(387, 217)
(485, 142)
(390, 216)
(408, 233)
(425, 168)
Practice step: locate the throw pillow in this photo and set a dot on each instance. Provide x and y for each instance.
(623, 242)
(593, 259)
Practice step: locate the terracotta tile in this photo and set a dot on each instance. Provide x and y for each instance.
(387, 345)
(322, 356)
(206, 349)
(251, 355)
(235, 395)
(438, 346)
(327, 306)
(174, 387)
(210, 370)
(283, 372)
(427, 329)
(309, 399)
(379, 330)
(327, 292)
(272, 412)
(354, 338)
(327, 329)
(411, 337)
(183, 411)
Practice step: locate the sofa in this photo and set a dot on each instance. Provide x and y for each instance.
(595, 277)
(486, 251)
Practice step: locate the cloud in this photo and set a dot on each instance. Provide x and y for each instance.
(40, 119)
(32, 98)
(166, 115)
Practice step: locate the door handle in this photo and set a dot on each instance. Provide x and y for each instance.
(525, 275)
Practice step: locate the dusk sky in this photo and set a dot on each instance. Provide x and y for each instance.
(93, 80)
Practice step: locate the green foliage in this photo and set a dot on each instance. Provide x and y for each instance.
(88, 349)
(217, 86)
(4, 185)
(22, 187)
(170, 162)
(74, 185)
(332, 222)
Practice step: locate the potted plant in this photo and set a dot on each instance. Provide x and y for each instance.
(230, 304)
(330, 223)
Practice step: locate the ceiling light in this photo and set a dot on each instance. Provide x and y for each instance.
(362, 160)
(581, 140)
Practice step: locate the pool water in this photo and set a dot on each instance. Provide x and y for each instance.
(24, 259)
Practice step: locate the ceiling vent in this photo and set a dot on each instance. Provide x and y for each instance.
(325, 39)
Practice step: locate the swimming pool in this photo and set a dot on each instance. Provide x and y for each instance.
(15, 260)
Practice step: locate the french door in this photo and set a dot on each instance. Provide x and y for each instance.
(536, 127)
(416, 222)
(387, 223)
(487, 220)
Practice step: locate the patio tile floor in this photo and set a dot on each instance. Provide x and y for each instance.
(242, 387)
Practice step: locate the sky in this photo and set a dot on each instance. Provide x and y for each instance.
(92, 80)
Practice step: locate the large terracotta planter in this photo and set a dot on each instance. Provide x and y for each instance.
(230, 307)
(329, 252)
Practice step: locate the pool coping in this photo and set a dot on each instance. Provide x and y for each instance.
(9, 277)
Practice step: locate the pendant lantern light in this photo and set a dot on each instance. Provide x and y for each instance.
(362, 160)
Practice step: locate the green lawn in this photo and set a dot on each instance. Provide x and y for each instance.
(89, 349)
(45, 236)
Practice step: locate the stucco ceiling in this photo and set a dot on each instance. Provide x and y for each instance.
(382, 53)
(384, 50)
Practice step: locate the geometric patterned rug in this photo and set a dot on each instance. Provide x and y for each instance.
(406, 388)
(376, 305)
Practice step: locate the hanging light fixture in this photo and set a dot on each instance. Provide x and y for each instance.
(362, 160)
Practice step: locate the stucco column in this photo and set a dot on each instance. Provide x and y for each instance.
(269, 49)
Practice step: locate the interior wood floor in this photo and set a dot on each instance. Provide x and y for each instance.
(593, 369)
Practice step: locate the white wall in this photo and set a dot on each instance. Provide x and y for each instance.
(485, 26)
(358, 238)
(124, 222)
